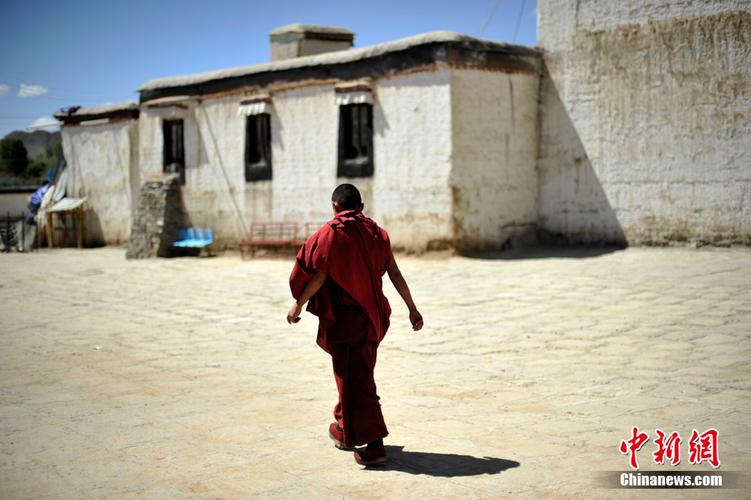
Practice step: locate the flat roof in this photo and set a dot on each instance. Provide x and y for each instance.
(120, 109)
(161, 86)
(311, 28)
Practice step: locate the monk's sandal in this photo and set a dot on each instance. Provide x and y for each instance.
(371, 455)
(336, 434)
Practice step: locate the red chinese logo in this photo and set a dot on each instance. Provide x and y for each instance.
(630, 447)
(701, 447)
(667, 448)
(704, 447)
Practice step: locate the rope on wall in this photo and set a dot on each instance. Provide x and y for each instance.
(239, 215)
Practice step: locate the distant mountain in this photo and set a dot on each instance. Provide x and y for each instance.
(36, 142)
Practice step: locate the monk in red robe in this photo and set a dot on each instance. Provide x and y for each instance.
(338, 272)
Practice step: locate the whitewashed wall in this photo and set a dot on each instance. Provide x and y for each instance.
(412, 143)
(216, 193)
(454, 155)
(494, 176)
(645, 120)
(304, 139)
(409, 193)
(103, 166)
(304, 130)
(454, 158)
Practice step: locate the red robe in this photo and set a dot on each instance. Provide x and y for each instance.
(353, 314)
(354, 252)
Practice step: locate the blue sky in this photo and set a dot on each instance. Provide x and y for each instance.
(85, 52)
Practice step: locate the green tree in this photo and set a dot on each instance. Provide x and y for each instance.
(36, 169)
(39, 166)
(14, 157)
(5, 153)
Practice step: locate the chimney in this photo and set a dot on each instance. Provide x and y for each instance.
(297, 40)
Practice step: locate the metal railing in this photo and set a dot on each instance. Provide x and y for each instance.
(9, 237)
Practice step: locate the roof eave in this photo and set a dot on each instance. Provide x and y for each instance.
(466, 52)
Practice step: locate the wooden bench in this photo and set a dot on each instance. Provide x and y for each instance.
(277, 235)
(309, 228)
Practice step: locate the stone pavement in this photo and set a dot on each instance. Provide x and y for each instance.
(180, 378)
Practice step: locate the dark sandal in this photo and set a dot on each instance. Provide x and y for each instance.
(337, 436)
(371, 456)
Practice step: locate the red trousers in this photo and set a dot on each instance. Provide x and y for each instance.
(358, 410)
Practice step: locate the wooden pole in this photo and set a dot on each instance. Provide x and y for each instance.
(79, 226)
(49, 229)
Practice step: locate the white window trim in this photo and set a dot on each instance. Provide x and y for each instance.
(356, 97)
(254, 108)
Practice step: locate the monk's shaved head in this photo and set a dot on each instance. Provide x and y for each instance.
(347, 197)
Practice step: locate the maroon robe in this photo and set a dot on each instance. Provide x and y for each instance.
(352, 311)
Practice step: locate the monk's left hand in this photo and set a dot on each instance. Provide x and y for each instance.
(293, 316)
(416, 319)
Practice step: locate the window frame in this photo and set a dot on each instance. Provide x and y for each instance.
(355, 151)
(169, 150)
(258, 145)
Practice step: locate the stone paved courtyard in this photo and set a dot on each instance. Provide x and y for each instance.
(181, 379)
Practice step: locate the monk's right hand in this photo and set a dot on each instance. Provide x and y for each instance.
(416, 319)
(293, 316)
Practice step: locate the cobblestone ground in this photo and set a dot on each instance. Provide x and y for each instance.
(180, 378)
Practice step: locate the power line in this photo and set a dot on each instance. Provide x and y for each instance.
(21, 117)
(518, 20)
(490, 17)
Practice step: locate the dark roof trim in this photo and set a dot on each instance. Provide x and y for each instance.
(112, 112)
(467, 54)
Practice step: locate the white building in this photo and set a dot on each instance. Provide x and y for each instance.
(101, 147)
(439, 132)
(453, 141)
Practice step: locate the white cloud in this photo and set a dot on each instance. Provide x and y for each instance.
(4, 89)
(43, 122)
(31, 90)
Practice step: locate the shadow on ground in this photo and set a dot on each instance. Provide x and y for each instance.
(442, 464)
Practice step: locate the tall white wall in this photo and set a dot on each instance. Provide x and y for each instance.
(103, 167)
(645, 120)
(494, 177)
(412, 143)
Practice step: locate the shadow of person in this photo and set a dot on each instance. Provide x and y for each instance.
(441, 464)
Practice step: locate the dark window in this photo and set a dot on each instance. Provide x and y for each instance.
(355, 140)
(258, 148)
(174, 150)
